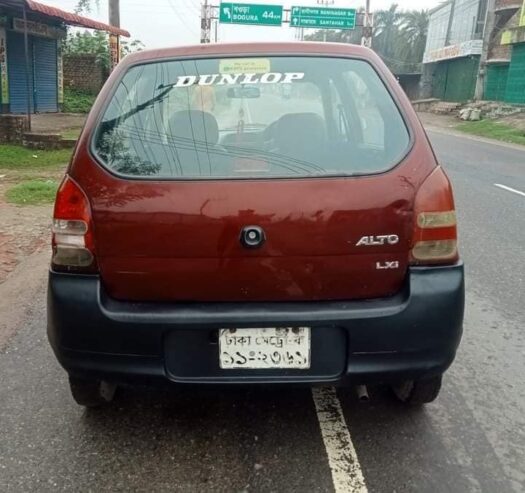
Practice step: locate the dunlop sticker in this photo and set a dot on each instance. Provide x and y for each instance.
(238, 78)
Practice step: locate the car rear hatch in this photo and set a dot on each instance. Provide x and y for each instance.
(325, 239)
(311, 167)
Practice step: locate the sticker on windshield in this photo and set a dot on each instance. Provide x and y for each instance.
(238, 78)
(244, 65)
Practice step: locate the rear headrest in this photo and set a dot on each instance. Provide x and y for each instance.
(195, 125)
(295, 129)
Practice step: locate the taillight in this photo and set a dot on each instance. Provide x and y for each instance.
(434, 239)
(72, 240)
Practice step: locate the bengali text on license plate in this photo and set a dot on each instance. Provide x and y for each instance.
(280, 347)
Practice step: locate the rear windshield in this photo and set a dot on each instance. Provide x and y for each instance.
(251, 117)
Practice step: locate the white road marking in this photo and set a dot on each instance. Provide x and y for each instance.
(347, 476)
(504, 187)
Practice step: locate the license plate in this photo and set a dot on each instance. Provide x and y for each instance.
(259, 348)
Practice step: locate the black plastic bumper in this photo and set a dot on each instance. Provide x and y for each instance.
(411, 335)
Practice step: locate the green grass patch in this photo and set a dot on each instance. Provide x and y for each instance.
(493, 130)
(70, 133)
(77, 101)
(34, 192)
(18, 158)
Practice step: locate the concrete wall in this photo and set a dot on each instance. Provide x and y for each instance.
(506, 19)
(410, 84)
(12, 129)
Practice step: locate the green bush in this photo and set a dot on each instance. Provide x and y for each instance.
(76, 101)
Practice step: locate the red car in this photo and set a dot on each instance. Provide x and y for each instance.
(254, 213)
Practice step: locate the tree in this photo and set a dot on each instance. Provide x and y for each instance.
(97, 43)
(85, 6)
(386, 32)
(414, 30)
(399, 37)
(336, 36)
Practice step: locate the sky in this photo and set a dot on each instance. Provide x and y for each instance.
(159, 23)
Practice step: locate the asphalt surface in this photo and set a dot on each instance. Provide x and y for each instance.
(471, 439)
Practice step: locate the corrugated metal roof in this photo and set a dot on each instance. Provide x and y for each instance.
(72, 19)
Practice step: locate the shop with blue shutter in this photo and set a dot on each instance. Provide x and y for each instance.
(31, 34)
(30, 72)
(42, 72)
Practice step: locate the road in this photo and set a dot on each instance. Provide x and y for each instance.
(471, 439)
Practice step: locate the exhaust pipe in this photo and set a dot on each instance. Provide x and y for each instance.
(362, 393)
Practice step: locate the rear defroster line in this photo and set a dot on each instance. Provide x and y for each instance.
(347, 476)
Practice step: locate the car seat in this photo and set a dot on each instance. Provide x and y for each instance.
(194, 137)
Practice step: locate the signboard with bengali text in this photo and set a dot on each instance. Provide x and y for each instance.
(38, 29)
(472, 47)
(250, 13)
(60, 73)
(323, 18)
(114, 50)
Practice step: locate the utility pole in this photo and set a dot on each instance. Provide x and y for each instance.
(487, 36)
(299, 33)
(325, 3)
(205, 22)
(366, 39)
(29, 89)
(114, 12)
(114, 40)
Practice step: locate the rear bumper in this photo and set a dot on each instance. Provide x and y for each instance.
(411, 335)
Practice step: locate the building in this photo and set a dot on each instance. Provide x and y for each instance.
(30, 56)
(505, 74)
(451, 61)
(410, 82)
(453, 49)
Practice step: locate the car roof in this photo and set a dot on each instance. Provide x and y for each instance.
(222, 49)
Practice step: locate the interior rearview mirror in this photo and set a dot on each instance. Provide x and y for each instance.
(239, 92)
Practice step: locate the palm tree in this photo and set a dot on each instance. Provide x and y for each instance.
(399, 37)
(413, 31)
(386, 31)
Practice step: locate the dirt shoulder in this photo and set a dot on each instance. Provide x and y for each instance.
(57, 122)
(509, 130)
(23, 232)
(25, 212)
(25, 238)
(438, 121)
(18, 292)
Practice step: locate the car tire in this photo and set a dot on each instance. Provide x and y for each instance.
(91, 393)
(418, 392)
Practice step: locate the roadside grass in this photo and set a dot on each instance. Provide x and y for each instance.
(14, 157)
(34, 192)
(493, 130)
(76, 101)
(71, 133)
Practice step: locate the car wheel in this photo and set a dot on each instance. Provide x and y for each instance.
(417, 392)
(91, 393)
